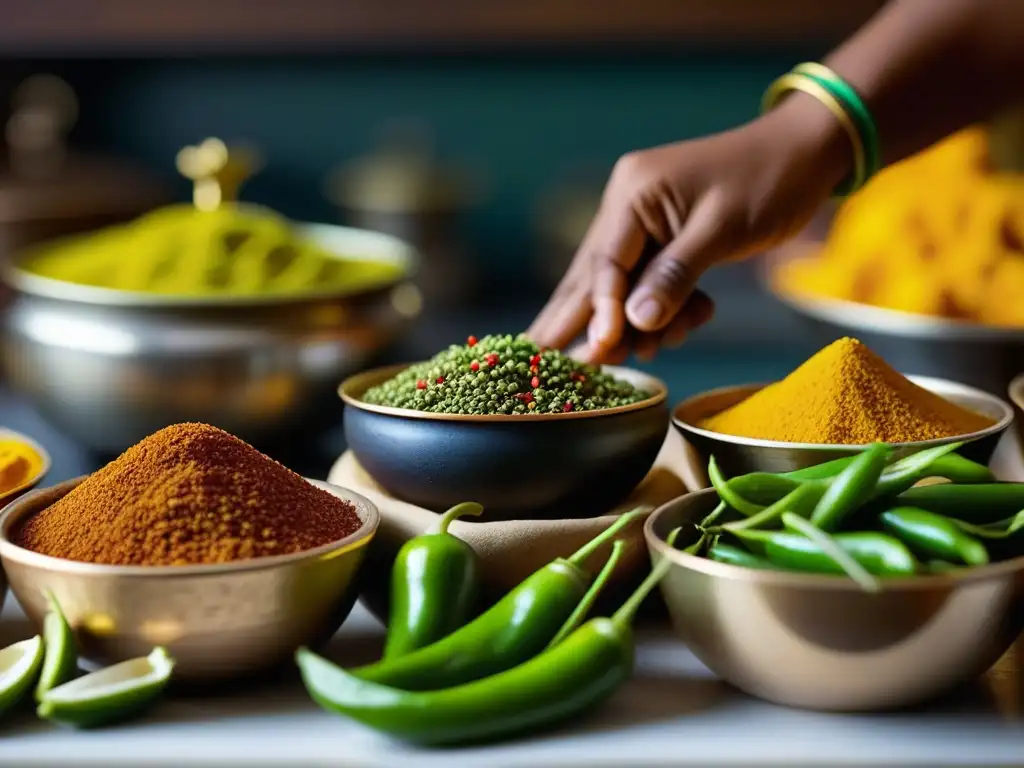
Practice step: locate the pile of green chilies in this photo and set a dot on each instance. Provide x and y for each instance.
(526, 662)
(866, 516)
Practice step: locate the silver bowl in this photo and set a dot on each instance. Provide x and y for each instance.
(739, 455)
(110, 367)
(218, 621)
(820, 642)
(983, 356)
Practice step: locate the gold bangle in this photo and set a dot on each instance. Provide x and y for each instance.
(786, 84)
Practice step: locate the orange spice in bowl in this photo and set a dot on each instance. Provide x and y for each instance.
(189, 494)
(845, 395)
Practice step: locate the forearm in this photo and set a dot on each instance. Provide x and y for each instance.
(927, 68)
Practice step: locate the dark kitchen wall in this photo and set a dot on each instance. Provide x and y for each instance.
(525, 123)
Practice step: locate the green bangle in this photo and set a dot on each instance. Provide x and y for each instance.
(793, 81)
(854, 106)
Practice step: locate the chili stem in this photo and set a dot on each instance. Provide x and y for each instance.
(629, 608)
(598, 541)
(581, 611)
(769, 514)
(465, 508)
(716, 513)
(853, 569)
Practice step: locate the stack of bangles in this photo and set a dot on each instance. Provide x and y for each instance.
(842, 100)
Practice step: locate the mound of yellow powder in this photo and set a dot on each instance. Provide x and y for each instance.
(846, 395)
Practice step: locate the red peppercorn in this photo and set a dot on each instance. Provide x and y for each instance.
(534, 369)
(526, 397)
(421, 384)
(492, 359)
(471, 341)
(567, 407)
(440, 379)
(534, 382)
(535, 360)
(474, 366)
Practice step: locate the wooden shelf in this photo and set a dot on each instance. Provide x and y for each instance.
(183, 27)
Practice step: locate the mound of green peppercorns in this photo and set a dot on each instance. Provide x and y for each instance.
(502, 375)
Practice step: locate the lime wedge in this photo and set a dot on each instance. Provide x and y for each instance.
(19, 667)
(61, 662)
(109, 695)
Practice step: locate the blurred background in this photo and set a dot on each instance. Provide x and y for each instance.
(481, 133)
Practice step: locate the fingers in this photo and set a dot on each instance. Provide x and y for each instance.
(617, 248)
(559, 322)
(697, 311)
(670, 279)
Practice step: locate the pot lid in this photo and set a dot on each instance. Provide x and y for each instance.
(401, 175)
(41, 179)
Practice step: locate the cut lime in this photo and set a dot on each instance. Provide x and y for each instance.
(109, 695)
(19, 667)
(61, 662)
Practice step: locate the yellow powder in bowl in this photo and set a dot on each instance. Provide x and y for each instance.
(845, 395)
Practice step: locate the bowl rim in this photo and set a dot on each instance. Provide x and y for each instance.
(1016, 390)
(870, 318)
(15, 511)
(923, 381)
(658, 546)
(376, 247)
(46, 462)
(352, 389)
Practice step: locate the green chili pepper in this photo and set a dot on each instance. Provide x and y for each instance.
(801, 501)
(879, 553)
(941, 566)
(727, 494)
(910, 470)
(957, 469)
(515, 628)
(951, 466)
(577, 674)
(934, 535)
(726, 553)
(1001, 529)
(820, 471)
(434, 585)
(830, 547)
(980, 503)
(851, 488)
(761, 488)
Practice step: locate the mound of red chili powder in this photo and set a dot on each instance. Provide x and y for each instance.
(188, 494)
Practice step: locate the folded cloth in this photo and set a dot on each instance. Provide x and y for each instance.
(511, 550)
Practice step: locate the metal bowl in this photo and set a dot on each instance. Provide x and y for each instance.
(983, 356)
(1016, 390)
(819, 642)
(550, 465)
(739, 455)
(110, 367)
(218, 621)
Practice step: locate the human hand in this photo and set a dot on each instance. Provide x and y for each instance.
(671, 212)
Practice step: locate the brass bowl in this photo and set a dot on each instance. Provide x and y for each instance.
(543, 465)
(820, 642)
(217, 621)
(739, 455)
(1016, 390)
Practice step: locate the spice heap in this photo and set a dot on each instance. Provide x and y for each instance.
(956, 251)
(845, 395)
(188, 494)
(502, 375)
(182, 251)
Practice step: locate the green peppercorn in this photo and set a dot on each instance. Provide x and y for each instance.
(493, 388)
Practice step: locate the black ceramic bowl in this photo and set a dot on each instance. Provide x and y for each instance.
(535, 466)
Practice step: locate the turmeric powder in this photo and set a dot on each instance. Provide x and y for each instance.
(938, 234)
(19, 465)
(845, 395)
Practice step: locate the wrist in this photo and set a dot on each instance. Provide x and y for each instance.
(813, 137)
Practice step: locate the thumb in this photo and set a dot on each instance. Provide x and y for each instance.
(671, 277)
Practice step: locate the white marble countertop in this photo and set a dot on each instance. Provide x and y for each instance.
(672, 712)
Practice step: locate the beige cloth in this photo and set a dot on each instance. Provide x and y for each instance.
(512, 550)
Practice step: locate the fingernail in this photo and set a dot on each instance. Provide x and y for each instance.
(648, 312)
